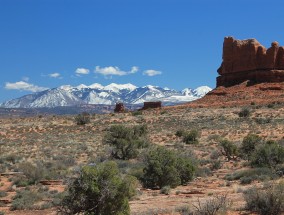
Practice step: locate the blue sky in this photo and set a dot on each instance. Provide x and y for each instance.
(170, 43)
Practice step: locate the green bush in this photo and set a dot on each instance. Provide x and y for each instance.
(191, 137)
(245, 113)
(180, 133)
(100, 190)
(137, 113)
(83, 118)
(25, 199)
(269, 155)
(265, 201)
(166, 190)
(34, 173)
(3, 194)
(126, 141)
(249, 144)
(229, 149)
(252, 174)
(215, 165)
(164, 167)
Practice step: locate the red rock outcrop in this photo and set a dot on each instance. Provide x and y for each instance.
(248, 60)
(119, 108)
(148, 105)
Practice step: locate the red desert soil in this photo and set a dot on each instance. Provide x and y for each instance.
(240, 95)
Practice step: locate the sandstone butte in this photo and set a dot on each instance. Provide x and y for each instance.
(249, 74)
(248, 60)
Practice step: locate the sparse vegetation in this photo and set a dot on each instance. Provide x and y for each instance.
(52, 147)
(268, 200)
(216, 205)
(26, 199)
(83, 118)
(245, 113)
(191, 137)
(249, 175)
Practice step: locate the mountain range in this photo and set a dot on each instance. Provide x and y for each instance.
(67, 95)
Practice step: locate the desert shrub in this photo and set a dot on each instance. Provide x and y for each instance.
(245, 113)
(215, 165)
(265, 201)
(215, 154)
(165, 190)
(183, 210)
(34, 173)
(137, 113)
(191, 137)
(252, 174)
(164, 167)
(229, 149)
(262, 120)
(99, 189)
(216, 205)
(82, 119)
(246, 180)
(180, 133)
(249, 144)
(269, 155)
(25, 199)
(3, 194)
(126, 141)
(203, 172)
(12, 158)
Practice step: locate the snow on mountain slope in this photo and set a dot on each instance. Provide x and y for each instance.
(97, 94)
(118, 87)
(96, 86)
(201, 91)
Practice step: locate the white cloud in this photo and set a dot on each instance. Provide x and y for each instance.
(133, 70)
(54, 75)
(111, 70)
(22, 85)
(152, 72)
(82, 71)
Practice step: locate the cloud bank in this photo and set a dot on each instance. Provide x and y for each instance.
(82, 71)
(24, 86)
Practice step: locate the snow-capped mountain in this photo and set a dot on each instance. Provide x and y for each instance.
(67, 95)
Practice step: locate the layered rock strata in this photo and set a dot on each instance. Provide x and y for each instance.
(248, 60)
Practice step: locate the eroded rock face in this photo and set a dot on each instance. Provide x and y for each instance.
(119, 108)
(249, 60)
(148, 105)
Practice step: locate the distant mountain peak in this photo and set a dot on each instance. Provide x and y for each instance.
(96, 86)
(116, 87)
(67, 95)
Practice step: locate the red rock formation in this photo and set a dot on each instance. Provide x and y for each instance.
(119, 108)
(148, 105)
(248, 60)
